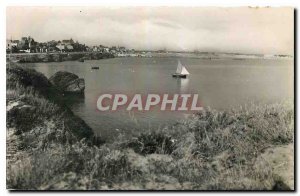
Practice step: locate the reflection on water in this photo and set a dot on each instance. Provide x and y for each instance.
(221, 84)
(182, 85)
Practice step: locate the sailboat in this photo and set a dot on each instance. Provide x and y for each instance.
(181, 71)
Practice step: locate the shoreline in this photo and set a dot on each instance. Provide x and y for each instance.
(77, 56)
(56, 57)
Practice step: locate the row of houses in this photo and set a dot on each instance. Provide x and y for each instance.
(29, 45)
(113, 49)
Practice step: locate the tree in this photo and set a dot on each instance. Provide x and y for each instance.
(23, 44)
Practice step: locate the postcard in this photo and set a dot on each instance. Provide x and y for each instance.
(150, 98)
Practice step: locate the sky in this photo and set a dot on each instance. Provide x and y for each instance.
(206, 29)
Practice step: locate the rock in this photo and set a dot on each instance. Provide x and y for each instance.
(68, 82)
(280, 160)
(279, 186)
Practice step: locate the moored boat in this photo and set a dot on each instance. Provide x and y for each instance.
(181, 71)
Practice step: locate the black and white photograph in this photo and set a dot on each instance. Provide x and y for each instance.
(163, 98)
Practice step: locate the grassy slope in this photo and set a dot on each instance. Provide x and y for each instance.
(211, 150)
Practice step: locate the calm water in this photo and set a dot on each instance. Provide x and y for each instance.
(221, 84)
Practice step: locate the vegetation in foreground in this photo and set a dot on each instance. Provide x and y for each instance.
(50, 148)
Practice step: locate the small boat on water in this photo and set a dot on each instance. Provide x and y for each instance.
(95, 67)
(16, 61)
(181, 71)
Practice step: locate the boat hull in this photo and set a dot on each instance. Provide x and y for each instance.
(179, 76)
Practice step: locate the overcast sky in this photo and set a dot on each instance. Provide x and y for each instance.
(244, 30)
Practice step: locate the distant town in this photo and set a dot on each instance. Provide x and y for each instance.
(29, 45)
(60, 48)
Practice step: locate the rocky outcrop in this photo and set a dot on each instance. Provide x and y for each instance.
(68, 82)
(32, 101)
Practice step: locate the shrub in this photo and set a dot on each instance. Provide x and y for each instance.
(153, 142)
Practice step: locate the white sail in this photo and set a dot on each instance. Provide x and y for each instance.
(179, 68)
(184, 71)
